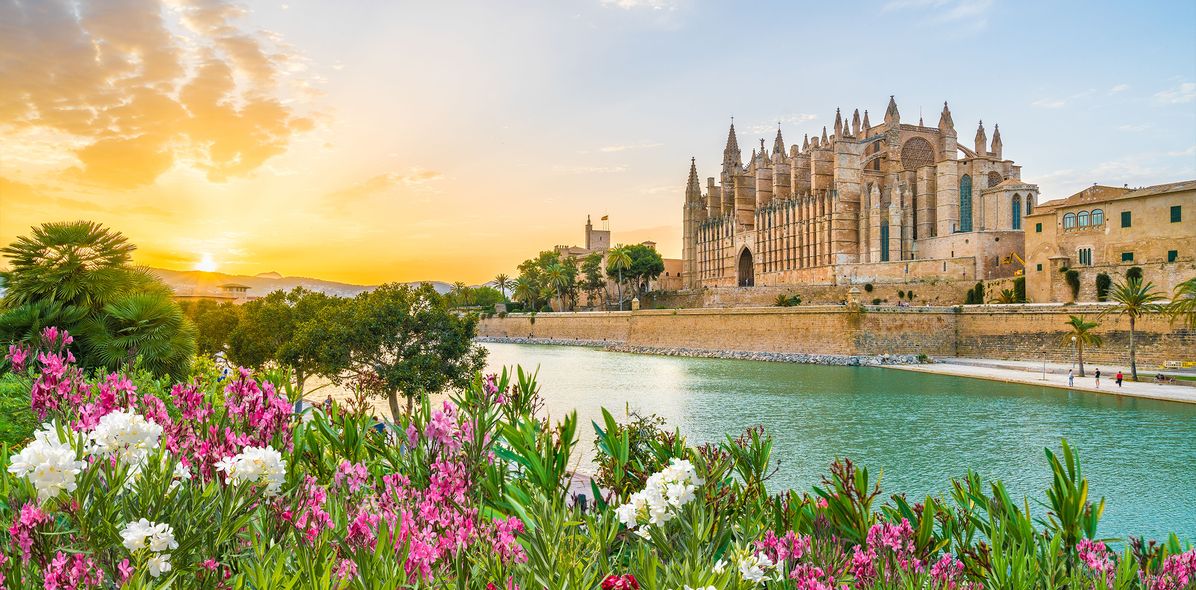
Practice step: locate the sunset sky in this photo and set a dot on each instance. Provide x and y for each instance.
(376, 141)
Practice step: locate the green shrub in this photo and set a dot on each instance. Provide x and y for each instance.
(1019, 289)
(18, 422)
(900, 293)
(1103, 282)
(876, 301)
(1073, 280)
(868, 287)
(978, 293)
(1133, 272)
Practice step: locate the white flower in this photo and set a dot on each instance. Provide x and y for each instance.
(158, 564)
(664, 493)
(256, 464)
(125, 435)
(135, 533)
(719, 566)
(48, 462)
(753, 567)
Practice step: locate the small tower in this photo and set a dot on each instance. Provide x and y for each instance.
(855, 123)
(867, 125)
(778, 145)
(824, 142)
(892, 117)
(981, 140)
(996, 146)
(805, 142)
(838, 124)
(693, 215)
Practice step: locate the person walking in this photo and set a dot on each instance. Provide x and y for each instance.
(1098, 378)
(1119, 377)
(1071, 378)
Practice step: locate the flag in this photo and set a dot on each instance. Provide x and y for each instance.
(605, 217)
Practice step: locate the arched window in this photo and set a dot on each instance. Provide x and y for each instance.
(1082, 218)
(994, 178)
(1098, 217)
(1029, 204)
(965, 203)
(1017, 211)
(1069, 221)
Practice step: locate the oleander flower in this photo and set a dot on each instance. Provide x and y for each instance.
(256, 464)
(126, 435)
(143, 533)
(48, 462)
(754, 567)
(664, 493)
(158, 564)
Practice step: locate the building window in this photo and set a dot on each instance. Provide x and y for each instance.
(1082, 218)
(1085, 256)
(1038, 268)
(1125, 219)
(1127, 256)
(1098, 217)
(1069, 221)
(884, 242)
(1172, 255)
(1017, 212)
(1037, 228)
(1177, 214)
(965, 203)
(1029, 204)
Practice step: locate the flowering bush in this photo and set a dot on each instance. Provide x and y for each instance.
(215, 484)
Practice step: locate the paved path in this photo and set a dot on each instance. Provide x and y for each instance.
(1031, 374)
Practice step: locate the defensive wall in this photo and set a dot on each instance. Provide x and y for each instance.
(1015, 332)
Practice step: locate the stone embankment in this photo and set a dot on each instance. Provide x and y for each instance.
(837, 360)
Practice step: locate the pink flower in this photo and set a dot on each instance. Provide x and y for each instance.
(25, 526)
(77, 572)
(16, 357)
(351, 475)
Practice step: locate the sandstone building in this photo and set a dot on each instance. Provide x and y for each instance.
(1104, 229)
(886, 203)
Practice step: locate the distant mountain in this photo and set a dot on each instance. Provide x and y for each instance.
(195, 282)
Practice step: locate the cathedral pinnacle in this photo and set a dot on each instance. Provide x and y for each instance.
(778, 144)
(838, 124)
(996, 146)
(805, 142)
(945, 121)
(824, 140)
(981, 139)
(891, 114)
(867, 125)
(855, 123)
(693, 188)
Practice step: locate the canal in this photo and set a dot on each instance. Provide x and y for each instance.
(919, 429)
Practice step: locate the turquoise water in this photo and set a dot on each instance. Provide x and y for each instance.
(919, 429)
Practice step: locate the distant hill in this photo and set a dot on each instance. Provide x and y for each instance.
(195, 282)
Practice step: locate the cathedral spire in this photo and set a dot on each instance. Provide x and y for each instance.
(981, 140)
(945, 121)
(855, 123)
(693, 188)
(867, 125)
(778, 144)
(805, 142)
(732, 141)
(838, 124)
(824, 140)
(892, 117)
(996, 146)
(732, 157)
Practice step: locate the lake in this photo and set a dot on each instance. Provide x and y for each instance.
(919, 429)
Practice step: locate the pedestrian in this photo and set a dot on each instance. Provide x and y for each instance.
(328, 404)
(1119, 377)
(1098, 378)
(1071, 378)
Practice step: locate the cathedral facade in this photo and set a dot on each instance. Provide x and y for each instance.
(890, 203)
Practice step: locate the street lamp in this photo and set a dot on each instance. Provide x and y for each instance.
(1073, 352)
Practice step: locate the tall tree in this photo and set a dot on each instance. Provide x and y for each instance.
(556, 278)
(1080, 334)
(1133, 300)
(1183, 304)
(404, 338)
(618, 261)
(502, 282)
(595, 280)
(646, 264)
(214, 322)
(526, 291)
(283, 329)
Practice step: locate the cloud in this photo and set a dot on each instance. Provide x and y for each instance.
(1049, 103)
(589, 169)
(643, 4)
(1119, 88)
(140, 86)
(1184, 93)
(788, 119)
(1191, 151)
(382, 183)
(630, 146)
(1133, 128)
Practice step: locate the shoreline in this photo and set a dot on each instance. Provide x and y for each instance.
(1055, 378)
(834, 360)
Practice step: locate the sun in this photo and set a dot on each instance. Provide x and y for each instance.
(206, 263)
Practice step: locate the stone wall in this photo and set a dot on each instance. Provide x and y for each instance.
(1015, 332)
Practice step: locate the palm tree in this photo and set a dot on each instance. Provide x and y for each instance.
(525, 291)
(72, 263)
(1006, 296)
(1133, 300)
(546, 293)
(503, 282)
(1183, 304)
(618, 260)
(1080, 335)
(554, 278)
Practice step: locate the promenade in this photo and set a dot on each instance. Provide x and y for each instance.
(1055, 375)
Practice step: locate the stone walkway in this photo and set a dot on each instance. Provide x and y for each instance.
(1031, 373)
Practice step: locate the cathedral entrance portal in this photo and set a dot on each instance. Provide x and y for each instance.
(746, 269)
